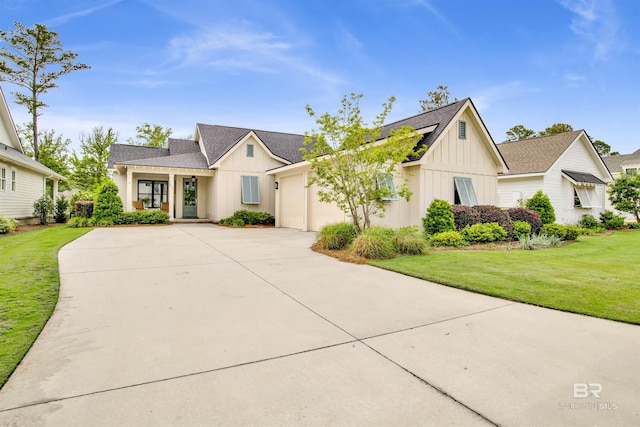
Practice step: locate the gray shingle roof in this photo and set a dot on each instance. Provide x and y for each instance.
(583, 177)
(616, 163)
(535, 155)
(183, 146)
(181, 153)
(119, 153)
(187, 161)
(15, 156)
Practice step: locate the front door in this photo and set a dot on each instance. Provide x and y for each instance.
(190, 192)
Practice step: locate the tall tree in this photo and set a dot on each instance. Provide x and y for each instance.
(34, 60)
(519, 132)
(54, 151)
(90, 168)
(603, 148)
(624, 194)
(151, 136)
(556, 128)
(436, 98)
(352, 166)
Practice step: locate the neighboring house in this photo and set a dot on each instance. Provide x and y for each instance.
(221, 171)
(227, 168)
(22, 179)
(565, 166)
(461, 165)
(619, 165)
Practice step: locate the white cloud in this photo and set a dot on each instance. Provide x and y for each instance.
(85, 12)
(595, 22)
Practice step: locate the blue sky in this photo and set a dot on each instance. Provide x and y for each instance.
(257, 63)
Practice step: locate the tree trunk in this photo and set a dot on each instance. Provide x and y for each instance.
(36, 149)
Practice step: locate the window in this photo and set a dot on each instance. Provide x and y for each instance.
(464, 192)
(3, 179)
(385, 183)
(13, 180)
(631, 171)
(153, 193)
(250, 190)
(249, 150)
(462, 129)
(586, 197)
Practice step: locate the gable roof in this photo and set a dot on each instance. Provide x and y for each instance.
(615, 163)
(9, 125)
(536, 155)
(218, 140)
(121, 153)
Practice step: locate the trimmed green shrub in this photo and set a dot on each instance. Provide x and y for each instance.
(464, 216)
(448, 238)
(589, 221)
(42, 208)
(557, 230)
(60, 210)
(572, 232)
(521, 229)
(527, 215)
(633, 225)
(438, 218)
(540, 203)
(409, 240)
(489, 232)
(79, 222)
(108, 204)
(373, 247)
(7, 225)
(489, 214)
(611, 221)
(248, 218)
(337, 236)
(142, 217)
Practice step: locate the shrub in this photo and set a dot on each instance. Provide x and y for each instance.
(539, 241)
(108, 204)
(60, 210)
(337, 236)
(408, 240)
(572, 232)
(611, 221)
(521, 229)
(142, 217)
(79, 222)
(42, 208)
(633, 225)
(372, 247)
(589, 221)
(7, 225)
(248, 218)
(540, 203)
(527, 215)
(489, 214)
(84, 208)
(489, 232)
(448, 238)
(438, 218)
(382, 232)
(557, 230)
(464, 216)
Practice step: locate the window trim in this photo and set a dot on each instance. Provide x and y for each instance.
(385, 181)
(469, 195)
(14, 180)
(587, 197)
(250, 150)
(462, 129)
(3, 178)
(164, 197)
(249, 190)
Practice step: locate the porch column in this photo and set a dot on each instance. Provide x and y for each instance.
(55, 189)
(129, 206)
(172, 195)
(305, 208)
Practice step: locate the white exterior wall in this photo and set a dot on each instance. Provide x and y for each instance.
(228, 184)
(121, 182)
(511, 190)
(30, 186)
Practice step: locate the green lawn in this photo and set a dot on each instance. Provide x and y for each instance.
(598, 275)
(29, 286)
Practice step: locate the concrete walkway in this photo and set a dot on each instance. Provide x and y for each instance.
(204, 325)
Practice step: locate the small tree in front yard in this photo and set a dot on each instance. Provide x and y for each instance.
(108, 204)
(42, 208)
(352, 165)
(540, 203)
(624, 194)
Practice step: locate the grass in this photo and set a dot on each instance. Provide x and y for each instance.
(596, 276)
(29, 286)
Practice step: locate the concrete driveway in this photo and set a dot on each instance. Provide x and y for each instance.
(204, 325)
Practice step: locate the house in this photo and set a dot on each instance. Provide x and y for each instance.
(225, 169)
(461, 165)
(619, 165)
(222, 170)
(22, 179)
(565, 166)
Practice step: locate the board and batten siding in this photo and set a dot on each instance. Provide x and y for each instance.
(30, 186)
(228, 184)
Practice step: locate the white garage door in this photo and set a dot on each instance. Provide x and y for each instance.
(291, 190)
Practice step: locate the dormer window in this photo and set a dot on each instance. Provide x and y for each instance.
(249, 150)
